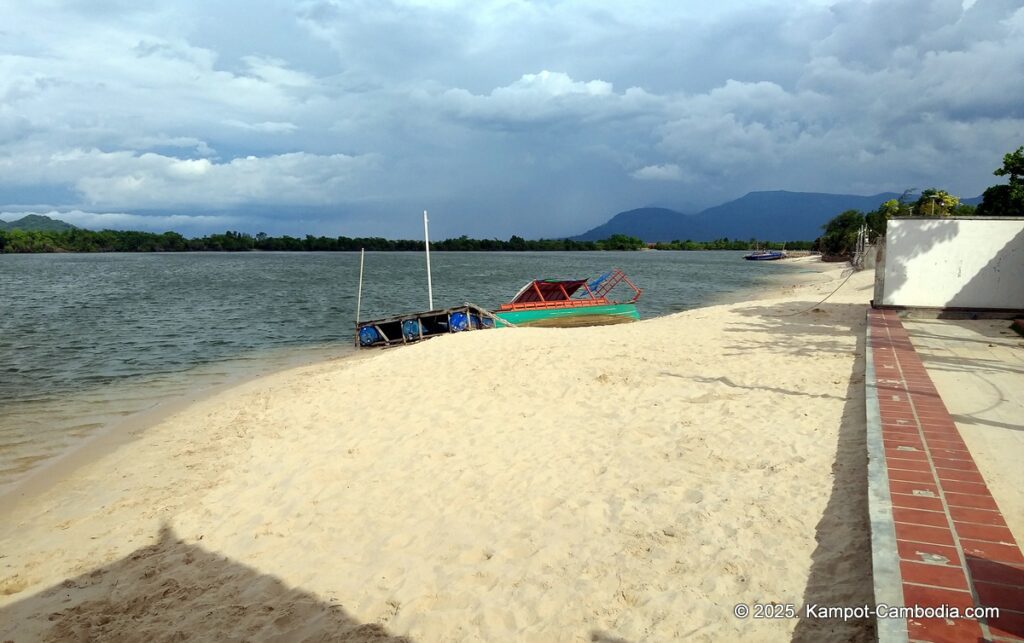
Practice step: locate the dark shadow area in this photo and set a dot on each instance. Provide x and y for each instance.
(802, 329)
(966, 364)
(1001, 276)
(728, 382)
(172, 591)
(997, 327)
(972, 314)
(597, 636)
(1000, 328)
(970, 419)
(999, 585)
(841, 573)
(987, 334)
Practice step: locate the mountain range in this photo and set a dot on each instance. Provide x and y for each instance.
(770, 216)
(767, 216)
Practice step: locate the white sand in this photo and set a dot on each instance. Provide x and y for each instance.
(619, 483)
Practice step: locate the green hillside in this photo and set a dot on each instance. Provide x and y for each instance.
(36, 223)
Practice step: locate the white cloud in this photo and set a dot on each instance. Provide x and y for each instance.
(667, 172)
(183, 142)
(127, 179)
(548, 83)
(546, 95)
(268, 127)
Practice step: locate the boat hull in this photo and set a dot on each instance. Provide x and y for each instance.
(569, 316)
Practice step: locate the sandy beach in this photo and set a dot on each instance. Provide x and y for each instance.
(619, 483)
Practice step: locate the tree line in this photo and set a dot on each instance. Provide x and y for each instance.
(80, 240)
(1006, 200)
(726, 243)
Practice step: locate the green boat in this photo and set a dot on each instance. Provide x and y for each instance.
(571, 302)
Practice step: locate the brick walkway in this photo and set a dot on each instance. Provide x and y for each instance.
(952, 545)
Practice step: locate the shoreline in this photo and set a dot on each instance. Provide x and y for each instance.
(617, 482)
(132, 426)
(129, 427)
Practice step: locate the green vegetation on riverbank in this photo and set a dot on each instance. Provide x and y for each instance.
(79, 240)
(736, 244)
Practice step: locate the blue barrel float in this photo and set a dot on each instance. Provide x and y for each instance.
(411, 329)
(457, 322)
(460, 321)
(368, 336)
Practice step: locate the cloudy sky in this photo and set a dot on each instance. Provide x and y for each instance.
(501, 117)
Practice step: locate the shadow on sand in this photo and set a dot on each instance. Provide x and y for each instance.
(840, 572)
(172, 591)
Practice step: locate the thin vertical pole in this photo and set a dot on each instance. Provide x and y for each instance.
(359, 297)
(426, 240)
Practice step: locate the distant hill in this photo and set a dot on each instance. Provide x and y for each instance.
(782, 215)
(648, 224)
(36, 223)
(773, 216)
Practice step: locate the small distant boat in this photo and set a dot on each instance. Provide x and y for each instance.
(571, 302)
(766, 255)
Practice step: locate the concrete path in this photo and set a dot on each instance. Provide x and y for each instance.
(978, 369)
(939, 539)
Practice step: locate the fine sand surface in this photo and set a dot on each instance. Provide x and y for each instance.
(621, 483)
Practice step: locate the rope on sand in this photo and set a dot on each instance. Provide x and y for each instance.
(800, 312)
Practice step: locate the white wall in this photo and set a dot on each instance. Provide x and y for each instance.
(963, 262)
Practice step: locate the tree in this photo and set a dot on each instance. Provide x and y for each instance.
(1013, 167)
(935, 203)
(997, 201)
(1006, 200)
(621, 242)
(840, 236)
(878, 220)
(516, 242)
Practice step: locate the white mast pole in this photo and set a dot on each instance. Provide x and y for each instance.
(426, 239)
(359, 296)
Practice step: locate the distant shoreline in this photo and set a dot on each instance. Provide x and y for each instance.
(795, 253)
(41, 241)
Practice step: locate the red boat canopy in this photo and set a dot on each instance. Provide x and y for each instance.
(548, 290)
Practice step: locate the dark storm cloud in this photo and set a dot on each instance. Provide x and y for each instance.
(535, 118)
